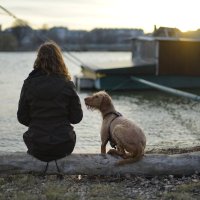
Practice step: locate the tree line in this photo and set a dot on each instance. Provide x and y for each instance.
(22, 37)
(25, 38)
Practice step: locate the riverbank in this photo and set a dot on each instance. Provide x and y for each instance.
(33, 187)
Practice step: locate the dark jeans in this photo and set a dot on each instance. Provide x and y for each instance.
(48, 152)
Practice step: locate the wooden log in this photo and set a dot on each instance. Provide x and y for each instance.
(97, 164)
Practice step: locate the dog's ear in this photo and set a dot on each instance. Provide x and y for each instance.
(106, 101)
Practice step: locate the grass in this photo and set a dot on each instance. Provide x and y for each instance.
(23, 187)
(185, 192)
(54, 191)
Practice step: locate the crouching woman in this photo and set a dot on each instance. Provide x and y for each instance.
(48, 105)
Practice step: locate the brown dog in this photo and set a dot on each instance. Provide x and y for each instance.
(123, 134)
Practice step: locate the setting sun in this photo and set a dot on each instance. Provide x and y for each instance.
(145, 14)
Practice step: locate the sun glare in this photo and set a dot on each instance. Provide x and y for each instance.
(183, 14)
(144, 14)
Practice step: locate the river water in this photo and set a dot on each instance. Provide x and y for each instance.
(167, 121)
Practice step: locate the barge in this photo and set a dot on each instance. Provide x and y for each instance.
(169, 61)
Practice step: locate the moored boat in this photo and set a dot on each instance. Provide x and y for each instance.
(169, 61)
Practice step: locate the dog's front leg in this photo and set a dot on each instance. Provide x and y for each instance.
(103, 146)
(104, 137)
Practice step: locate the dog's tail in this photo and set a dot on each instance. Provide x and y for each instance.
(138, 155)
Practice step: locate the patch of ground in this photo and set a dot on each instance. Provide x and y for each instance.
(73, 187)
(32, 187)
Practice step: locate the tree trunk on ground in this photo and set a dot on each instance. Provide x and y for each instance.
(97, 164)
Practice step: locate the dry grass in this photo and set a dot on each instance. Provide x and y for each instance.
(30, 187)
(185, 192)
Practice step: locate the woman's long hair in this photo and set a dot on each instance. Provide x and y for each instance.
(50, 60)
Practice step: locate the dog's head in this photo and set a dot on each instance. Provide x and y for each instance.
(98, 100)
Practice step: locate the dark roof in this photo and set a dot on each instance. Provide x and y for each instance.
(151, 38)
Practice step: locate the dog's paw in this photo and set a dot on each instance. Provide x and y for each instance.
(112, 152)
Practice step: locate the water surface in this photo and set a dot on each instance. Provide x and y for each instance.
(167, 121)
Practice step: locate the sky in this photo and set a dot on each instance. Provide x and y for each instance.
(90, 14)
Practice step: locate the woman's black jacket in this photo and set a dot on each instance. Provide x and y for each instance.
(48, 105)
